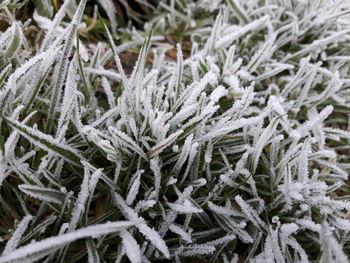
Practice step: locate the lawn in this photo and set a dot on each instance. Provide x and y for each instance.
(174, 131)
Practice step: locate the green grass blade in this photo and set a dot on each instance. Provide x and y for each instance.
(46, 142)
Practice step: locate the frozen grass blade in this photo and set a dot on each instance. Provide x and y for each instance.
(17, 235)
(115, 52)
(43, 193)
(46, 142)
(132, 248)
(239, 11)
(63, 64)
(38, 250)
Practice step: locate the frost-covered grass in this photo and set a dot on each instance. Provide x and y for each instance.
(236, 149)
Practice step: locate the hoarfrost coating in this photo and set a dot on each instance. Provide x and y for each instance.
(228, 140)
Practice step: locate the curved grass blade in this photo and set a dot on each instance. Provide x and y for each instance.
(43, 193)
(46, 142)
(34, 251)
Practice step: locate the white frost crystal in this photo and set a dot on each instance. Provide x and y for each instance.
(230, 146)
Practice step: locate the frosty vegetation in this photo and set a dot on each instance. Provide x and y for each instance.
(235, 150)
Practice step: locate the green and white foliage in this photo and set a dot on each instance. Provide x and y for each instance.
(237, 150)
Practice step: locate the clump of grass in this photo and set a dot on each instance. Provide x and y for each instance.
(234, 149)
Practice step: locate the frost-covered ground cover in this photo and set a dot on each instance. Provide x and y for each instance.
(228, 141)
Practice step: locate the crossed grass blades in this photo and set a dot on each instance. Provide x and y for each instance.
(227, 141)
